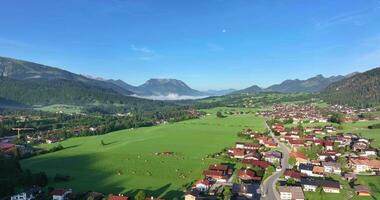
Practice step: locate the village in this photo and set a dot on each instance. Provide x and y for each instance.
(318, 157)
(307, 159)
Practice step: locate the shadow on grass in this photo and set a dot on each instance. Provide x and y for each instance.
(71, 146)
(87, 175)
(162, 192)
(109, 143)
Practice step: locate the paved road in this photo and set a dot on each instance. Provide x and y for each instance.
(268, 187)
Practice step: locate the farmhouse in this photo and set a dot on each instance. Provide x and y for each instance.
(220, 173)
(309, 184)
(364, 165)
(331, 167)
(291, 193)
(329, 186)
(362, 190)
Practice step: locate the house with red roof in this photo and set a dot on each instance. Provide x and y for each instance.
(363, 165)
(295, 143)
(248, 175)
(290, 173)
(270, 143)
(258, 163)
(300, 158)
(203, 185)
(219, 173)
(60, 194)
(117, 197)
(7, 147)
(329, 145)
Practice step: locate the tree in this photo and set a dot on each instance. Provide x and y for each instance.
(227, 193)
(219, 114)
(336, 118)
(291, 182)
(140, 195)
(292, 161)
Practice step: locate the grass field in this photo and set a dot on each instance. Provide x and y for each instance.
(128, 162)
(373, 182)
(362, 129)
(68, 109)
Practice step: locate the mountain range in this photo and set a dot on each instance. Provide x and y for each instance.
(360, 89)
(314, 84)
(35, 84)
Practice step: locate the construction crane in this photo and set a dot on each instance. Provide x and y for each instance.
(21, 129)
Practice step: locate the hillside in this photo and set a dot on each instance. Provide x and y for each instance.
(314, 84)
(252, 89)
(58, 91)
(24, 70)
(362, 89)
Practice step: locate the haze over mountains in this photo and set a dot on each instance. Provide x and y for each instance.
(32, 83)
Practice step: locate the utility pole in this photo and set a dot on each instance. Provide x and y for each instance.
(21, 129)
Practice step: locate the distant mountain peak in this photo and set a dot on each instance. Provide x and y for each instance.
(163, 86)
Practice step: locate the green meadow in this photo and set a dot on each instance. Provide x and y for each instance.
(362, 129)
(68, 109)
(373, 183)
(127, 160)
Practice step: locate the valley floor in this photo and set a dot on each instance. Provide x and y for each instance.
(127, 160)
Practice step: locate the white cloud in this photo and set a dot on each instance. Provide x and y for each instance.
(171, 97)
(143, 53)
(141, 49)
(354, 17)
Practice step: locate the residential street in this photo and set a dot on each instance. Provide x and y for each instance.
(268, 187)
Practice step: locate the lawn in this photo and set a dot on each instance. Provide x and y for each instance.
(128, 162)
(373, 182)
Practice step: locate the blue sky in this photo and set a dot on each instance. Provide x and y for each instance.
(209, 44)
